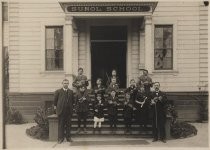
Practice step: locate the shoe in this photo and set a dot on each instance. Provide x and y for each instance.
(78, 130)
(154, 140)
(60, 141)
(163, 140)
(69, 140)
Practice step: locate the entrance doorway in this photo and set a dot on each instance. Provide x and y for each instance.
(108, 51)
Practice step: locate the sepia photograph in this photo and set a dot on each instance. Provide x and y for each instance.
(104, 74)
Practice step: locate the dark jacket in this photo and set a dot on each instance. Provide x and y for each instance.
(133, 92)
(141, 98)
(100, 89)
(82, 102)
(160, 104)
(109, 81)
(63, 101)
(112, 105)
(128, 108)
(111, 87)
(80, 80)
(99, 108)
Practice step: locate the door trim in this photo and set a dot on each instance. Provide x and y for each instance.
(110, 22)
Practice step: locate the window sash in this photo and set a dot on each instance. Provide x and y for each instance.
(163, 47)
(54, 48)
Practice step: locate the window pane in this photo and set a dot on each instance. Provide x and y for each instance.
(49, 38)
(163, 45)
(58, 38)
(158, 32)
(54, 48)
(158, 43)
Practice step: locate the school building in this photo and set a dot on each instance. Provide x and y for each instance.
(48, 40)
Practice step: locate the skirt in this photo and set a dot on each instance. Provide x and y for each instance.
(96, 119)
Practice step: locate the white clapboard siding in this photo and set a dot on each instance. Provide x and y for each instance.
(203, 43)
(13, 47)
(186, 15)
(25, 43)
(25, 37)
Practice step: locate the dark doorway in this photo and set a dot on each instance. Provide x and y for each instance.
(108, 51)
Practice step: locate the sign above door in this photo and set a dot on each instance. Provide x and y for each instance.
(108, 7)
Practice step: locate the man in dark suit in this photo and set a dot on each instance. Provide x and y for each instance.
(63, 105)
(158, 104)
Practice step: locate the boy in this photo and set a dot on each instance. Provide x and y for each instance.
(145, 81)
(128, 112)
(82, 107)
(98, 108)
(114, 75)
(112, 108)
(80, 80)
(113, 85)
(142, 108)
(99, 87)
(132, 89)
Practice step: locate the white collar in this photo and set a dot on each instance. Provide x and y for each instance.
(65, 89)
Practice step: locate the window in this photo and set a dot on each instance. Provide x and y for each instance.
(54, 47)
(163, 47)
(5, 11)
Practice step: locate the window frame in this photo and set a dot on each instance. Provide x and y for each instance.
(55, 69)
(172, 22)
(44, 25)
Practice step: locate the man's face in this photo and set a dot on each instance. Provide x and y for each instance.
(145, 72)
(157, 86)
(65, 84)
(80, 72)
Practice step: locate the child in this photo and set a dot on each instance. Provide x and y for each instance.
(114, 75)
(82, 107)
(132, 89)
(113, 85)
(112, 105)
(99, 87)
(80, 80)
(142, 106)
(128, 112)
(98, 107)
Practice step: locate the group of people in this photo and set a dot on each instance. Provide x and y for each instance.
(138, 102)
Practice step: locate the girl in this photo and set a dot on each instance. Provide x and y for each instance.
(98, 107)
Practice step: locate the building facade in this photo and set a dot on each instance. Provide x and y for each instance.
(48, 40)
